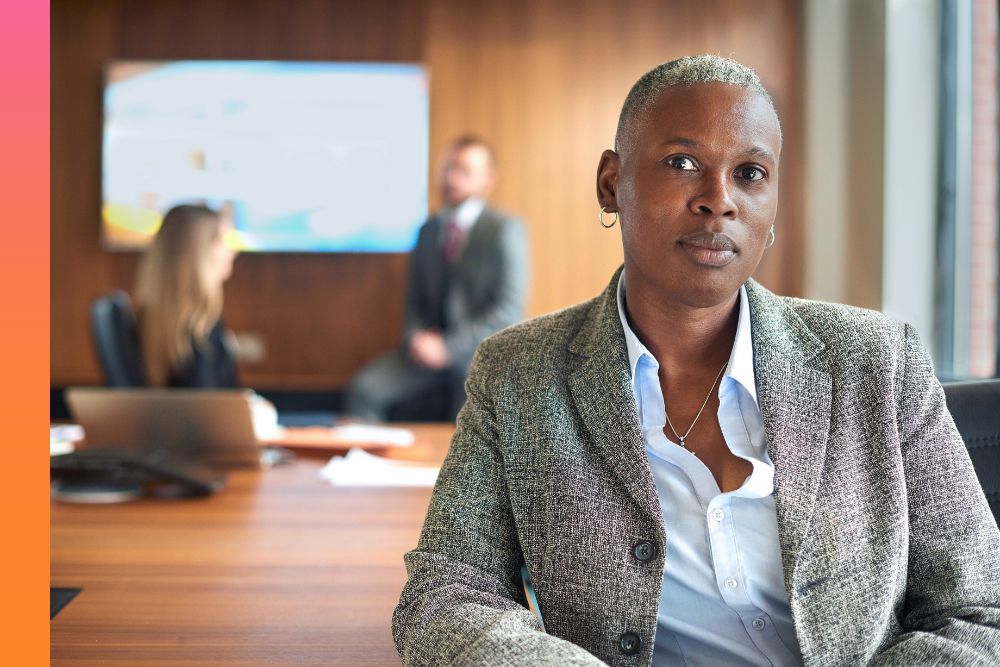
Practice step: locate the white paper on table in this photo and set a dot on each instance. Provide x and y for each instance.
(265, 418)
(366, 434)
(359, 468)
(63, 438)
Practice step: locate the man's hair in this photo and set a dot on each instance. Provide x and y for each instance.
(682, 72)
(468, 140)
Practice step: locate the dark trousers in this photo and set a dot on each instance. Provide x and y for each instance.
(393, 383)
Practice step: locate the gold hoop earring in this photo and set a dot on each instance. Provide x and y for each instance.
(602, 213)
(770, 239)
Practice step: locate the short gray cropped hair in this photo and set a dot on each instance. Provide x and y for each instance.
(683, 71)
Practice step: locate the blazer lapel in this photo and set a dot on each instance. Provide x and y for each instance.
(795, 401)
(602, 390)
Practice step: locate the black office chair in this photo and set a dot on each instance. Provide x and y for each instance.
(976, 408)
(112, 323)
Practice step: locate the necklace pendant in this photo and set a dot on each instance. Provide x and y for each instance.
(685, 448)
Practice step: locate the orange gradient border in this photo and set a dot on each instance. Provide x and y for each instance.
(24, 327)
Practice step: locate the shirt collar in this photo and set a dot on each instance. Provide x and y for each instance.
(636, 350)
(741, 360)
(466, 213)
(740, 367)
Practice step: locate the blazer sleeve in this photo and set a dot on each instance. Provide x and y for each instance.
(507, 306)
(951, 614)
(463, 603)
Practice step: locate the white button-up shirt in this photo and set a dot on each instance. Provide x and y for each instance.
(465, 214)
(723, 599)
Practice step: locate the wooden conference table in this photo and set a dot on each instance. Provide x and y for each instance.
(279, 568)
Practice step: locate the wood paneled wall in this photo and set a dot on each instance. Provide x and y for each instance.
(543, 80)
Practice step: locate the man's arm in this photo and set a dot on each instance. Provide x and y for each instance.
(952, 607)
(463, 603)
(507, 307)
(415, 317)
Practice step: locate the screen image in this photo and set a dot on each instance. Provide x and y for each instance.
(304, 157)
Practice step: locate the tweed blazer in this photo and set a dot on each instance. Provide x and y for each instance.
(890, 553)
(483, 292)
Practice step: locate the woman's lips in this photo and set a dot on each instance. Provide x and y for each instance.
(709, 248)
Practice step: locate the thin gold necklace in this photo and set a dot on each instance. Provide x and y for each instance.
(682, 438)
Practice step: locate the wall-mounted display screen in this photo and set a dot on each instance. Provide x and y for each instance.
(305, 157)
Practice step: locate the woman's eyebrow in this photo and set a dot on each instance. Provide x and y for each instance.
(760, 151)
(680, 141)
(754, 151)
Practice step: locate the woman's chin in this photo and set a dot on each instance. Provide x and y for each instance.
(705, 289)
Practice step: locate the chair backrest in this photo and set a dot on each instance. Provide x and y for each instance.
(975, 407)
(112, 323)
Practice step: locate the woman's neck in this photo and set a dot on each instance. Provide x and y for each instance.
(683, 338)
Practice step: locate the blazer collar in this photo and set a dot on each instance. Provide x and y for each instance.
(794, 396)
(602, 389)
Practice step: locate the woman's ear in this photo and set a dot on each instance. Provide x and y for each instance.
(607, 180)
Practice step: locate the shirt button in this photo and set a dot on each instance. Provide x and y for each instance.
(731, 583)
(644, 551)
(758, 624)
(718, 515)
(629, 643)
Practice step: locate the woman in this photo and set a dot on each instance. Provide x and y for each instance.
(179, 301)
(692, 469)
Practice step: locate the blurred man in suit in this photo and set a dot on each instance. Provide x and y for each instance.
(468, 277)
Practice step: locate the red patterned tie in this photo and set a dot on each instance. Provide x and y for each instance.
(453, 241)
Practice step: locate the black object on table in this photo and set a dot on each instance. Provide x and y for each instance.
(59, 598)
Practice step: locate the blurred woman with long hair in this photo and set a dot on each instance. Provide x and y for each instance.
(179, 301)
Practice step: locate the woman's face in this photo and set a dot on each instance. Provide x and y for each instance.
(696, 187)
(223, 253)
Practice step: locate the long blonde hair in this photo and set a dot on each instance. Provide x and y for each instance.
(178, 294)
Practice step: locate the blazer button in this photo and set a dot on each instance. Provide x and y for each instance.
(630, 643)
(644, 551)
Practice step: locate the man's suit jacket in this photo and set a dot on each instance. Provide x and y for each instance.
(480, 294)
(890, 554)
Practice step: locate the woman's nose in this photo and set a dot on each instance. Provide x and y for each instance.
(714, 198)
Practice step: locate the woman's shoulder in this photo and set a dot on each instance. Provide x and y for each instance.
(844, 327)
(536, 342)
(551, 329)
(838, 314)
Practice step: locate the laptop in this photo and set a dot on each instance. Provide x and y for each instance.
(214, 426)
